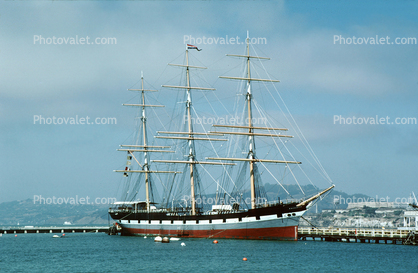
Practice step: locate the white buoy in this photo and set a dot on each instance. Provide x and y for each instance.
(183, 244)
(145, 237)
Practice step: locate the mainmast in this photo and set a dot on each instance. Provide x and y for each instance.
(250, 137)
(191, 135)
(191, 143)
(144, 137)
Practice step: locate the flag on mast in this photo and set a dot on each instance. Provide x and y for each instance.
(189, 46)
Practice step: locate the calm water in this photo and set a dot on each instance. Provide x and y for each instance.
(102, 253)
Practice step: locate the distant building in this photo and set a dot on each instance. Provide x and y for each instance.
(410, 220)
(360, 205)
(384, 210)
(341, 210)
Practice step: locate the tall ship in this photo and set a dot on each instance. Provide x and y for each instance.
(194, 159)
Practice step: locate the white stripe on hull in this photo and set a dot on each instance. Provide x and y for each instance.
(267, 221)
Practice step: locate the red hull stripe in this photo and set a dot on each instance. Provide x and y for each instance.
(273, 233)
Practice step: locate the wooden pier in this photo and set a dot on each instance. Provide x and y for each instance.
(53, 229)
(362, 235)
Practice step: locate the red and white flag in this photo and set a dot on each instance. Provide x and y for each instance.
(189, 46)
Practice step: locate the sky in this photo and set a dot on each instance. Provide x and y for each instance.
(321, 78)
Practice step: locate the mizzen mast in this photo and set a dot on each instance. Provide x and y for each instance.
(251, 133)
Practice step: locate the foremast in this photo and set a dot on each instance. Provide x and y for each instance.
(144, 147)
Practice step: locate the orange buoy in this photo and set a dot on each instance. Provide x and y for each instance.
(244, 259)
(215, 242)
(63, 234)
(16, 235)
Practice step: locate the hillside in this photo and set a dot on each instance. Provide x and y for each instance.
(27, 213)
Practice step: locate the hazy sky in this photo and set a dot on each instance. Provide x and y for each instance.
(320, 79)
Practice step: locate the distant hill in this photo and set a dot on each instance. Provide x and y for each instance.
(27, 213)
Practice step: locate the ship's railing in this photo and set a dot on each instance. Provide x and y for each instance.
(278, 202)
(172, 211)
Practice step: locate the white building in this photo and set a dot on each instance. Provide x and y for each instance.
(360, 205)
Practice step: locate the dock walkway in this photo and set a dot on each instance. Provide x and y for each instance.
(361, 235)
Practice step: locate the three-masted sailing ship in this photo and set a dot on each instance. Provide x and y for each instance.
(190, 218)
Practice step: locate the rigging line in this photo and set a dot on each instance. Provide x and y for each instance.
(262, 113)
(265, 115)
(276, 179)
(214, 180)
(204, 93)
(234, 146)
(136, 160)
(126, 216)
(158, 177)
(305, 141)
(320, 198)
(280, 151)
(310, 163)
(300, 167)
(158, 117)
(217, 155)
(163, 72)
(309, 222)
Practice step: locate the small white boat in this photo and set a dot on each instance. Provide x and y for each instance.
(174, 239)
(158, 239)
(56, 236)
(166, 240)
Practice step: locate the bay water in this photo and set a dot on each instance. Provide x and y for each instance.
(99, 252)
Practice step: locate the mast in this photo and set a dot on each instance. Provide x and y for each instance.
(251, 133)
(250, 137)
(189, 120)
(145, 148)
(191, 135)
(144, 136)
